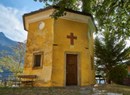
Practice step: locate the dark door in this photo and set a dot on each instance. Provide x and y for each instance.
(71, 69)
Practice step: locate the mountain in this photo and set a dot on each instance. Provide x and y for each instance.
(6, 44)
(4, 41)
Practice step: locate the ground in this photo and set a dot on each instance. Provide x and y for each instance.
(100, 90)
(116, 88)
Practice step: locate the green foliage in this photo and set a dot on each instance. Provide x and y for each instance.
(118, 73)
(86, 6)
(62, 4)
(110, 51)
(13, 62)
(112, 15)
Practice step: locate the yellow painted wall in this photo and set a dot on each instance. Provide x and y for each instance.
(62, 28)
(52, 72)
(40, 41)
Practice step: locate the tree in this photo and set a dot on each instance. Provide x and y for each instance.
(110, 51)
(118, 74)
(112, 15)
(13, 62)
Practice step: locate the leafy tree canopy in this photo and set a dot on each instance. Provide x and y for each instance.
(110, 51)
(111, 15)
(118, 74)
(13, 62)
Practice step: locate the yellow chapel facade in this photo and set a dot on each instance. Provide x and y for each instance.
(60, 52)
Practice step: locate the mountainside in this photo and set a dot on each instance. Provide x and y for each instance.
(6, 44)
(4, 41)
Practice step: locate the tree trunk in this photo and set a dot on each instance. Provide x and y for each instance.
(109, 81)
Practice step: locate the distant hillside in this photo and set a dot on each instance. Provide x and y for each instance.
(6, 44)
(4, 41)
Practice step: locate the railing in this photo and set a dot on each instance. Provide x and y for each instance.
(17, 81)
(9, 80)
(27, 79)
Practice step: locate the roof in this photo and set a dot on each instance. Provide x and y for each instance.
(56, 7)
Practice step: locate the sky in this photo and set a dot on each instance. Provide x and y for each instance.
(11, 12)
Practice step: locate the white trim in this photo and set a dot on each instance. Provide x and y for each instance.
(91, 26)
(41, 61)
(47, 14)
(37, 17)
(76, 17)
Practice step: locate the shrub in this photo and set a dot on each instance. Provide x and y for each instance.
(118, 73)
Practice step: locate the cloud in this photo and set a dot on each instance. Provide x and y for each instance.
(128, 43)
(11, 23)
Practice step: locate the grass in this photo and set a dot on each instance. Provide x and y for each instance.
(116, 88)
(38, 91)
(63, 90)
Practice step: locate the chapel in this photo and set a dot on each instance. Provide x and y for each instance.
(60, 51)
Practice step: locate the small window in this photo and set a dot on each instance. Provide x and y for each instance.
(37, 60)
